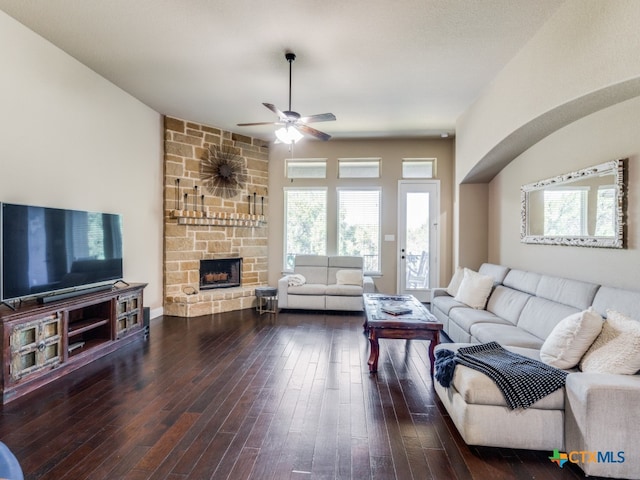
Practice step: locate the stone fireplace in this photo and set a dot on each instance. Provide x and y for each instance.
(201, 227)
(220, 273)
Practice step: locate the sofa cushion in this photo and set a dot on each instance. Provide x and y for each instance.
(571, 338)
(312, 267)
(345, 261)
(477, 388)
(617, 348)
(312, 260)
(344, 290)
(539, 316)
(342, 262)
(445, 304)
(574, 293)
(507, 335)
(623, 301)
(474, 289)
(308, 289)
(465, 317)
(507, 303)
(497, 272)
(312, 274)
(349, 277)
(522, 280)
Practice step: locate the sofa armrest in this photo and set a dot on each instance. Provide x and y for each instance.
(439, 292)
(367, 285)
(283, 296)
(600, 417)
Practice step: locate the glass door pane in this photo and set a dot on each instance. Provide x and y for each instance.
(418, 205)
(417, 241)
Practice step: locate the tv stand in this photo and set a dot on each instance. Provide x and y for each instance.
(45, 341)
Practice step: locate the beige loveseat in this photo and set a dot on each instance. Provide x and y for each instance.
(321, 282)
(594, 412)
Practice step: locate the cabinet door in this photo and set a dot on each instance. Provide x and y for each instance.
(129, 315)
(36, 346)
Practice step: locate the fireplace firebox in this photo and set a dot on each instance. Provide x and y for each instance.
(220, 273)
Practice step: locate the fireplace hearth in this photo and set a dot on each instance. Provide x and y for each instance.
(220, 273)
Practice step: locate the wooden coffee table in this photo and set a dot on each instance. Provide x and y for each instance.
(419, 324)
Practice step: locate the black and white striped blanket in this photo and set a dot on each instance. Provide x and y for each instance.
(522, 380)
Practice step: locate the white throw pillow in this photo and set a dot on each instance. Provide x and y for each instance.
(349, 277)
(474, 289)
(571, 338)
(617, 348)
(455, 282)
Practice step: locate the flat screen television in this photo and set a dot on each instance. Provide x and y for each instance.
(50, 251)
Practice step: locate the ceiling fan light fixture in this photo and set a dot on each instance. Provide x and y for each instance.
(295, 125)
(289, 135)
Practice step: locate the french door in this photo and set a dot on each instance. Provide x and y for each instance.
(418, 212)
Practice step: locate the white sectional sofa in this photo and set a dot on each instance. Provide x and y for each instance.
(328, 283)
(594, 412)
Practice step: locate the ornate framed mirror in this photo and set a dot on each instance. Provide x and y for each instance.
(586, 208)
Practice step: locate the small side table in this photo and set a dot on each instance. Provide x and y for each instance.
(267, 298)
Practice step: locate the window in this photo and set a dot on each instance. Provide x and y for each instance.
(565, 213)
(305, 223)
(418, 167)
(358, 168)
(306, 168)
(359, 225)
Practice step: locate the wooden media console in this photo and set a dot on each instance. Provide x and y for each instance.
(43, 342)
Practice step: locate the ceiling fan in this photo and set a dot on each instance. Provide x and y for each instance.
(292, 122)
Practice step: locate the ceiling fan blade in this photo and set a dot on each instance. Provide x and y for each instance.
(258, 123)
(321, 117)
(313, 132)
(275, 110)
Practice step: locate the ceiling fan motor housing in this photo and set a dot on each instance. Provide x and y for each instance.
(292, 116)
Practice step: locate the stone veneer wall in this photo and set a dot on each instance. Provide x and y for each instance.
(185, 245)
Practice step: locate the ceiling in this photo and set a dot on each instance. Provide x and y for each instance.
(407, 68)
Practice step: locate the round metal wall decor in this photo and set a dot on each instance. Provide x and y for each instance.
(222, 171)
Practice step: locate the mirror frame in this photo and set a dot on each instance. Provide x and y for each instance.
(619, 170)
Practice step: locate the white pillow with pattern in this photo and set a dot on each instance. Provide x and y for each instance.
(571, 338)
(617, 348)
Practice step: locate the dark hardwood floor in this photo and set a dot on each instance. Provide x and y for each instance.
(238, 395)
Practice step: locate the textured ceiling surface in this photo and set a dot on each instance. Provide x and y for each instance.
(386, 69)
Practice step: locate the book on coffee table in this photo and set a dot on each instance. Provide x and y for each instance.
(395, 309)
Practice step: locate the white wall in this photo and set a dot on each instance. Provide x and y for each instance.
(71, 139)
(606, 135)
